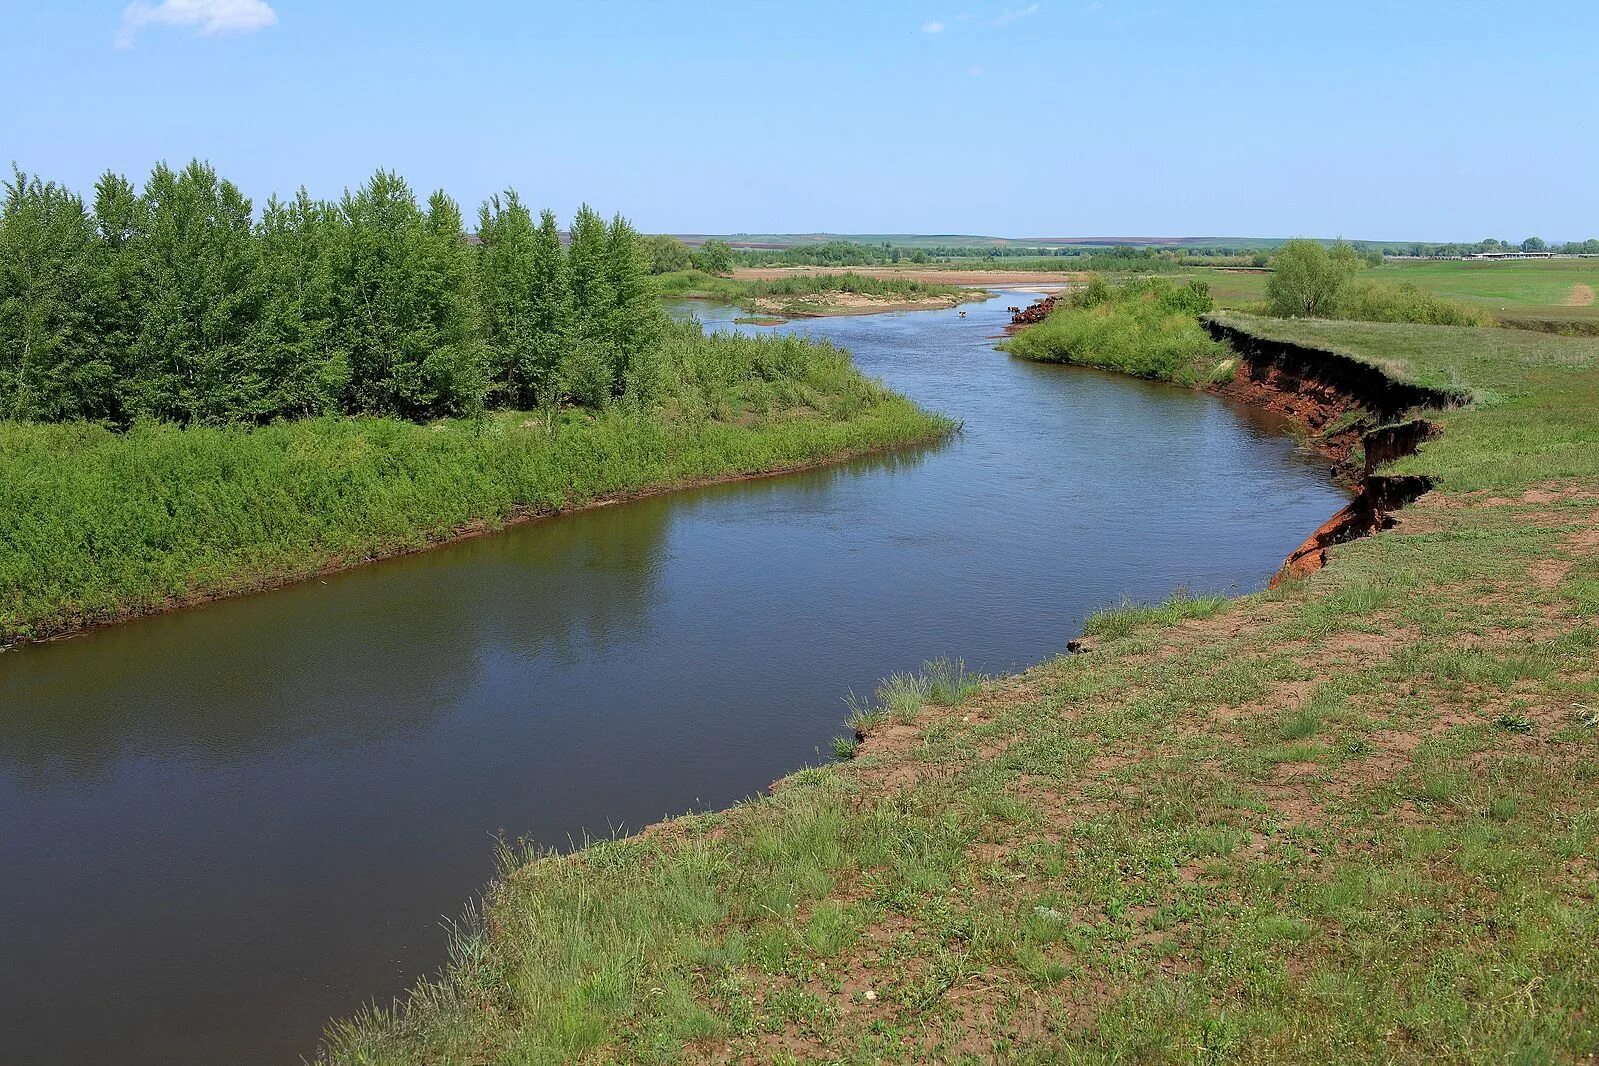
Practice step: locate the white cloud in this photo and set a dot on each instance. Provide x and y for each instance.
(976, 72)
(1007, 17)
(205, 17)
(932, 27)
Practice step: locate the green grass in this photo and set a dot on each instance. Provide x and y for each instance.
(1145, 328)
(101, 524)
(1121, 620)
(698, 285)
(1500, 286)
(1535, 395)
(1351, 819)
(900, 698)
(1530, 292)
(1370, 301)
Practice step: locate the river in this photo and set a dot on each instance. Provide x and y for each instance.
(223, 826)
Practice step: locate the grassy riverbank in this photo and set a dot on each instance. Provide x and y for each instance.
(1354, 818)
(101, 525)
(1144, 327)
(809, 295)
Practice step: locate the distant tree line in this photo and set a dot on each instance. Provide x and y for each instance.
(1489, 245)
(855, 253)
(672, 254)
(175, 302)
(667, 254)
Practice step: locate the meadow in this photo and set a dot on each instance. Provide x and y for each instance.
(1351, 818)
(1517, 292)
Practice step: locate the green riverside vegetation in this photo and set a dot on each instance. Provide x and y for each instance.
(806, 293)
(101, 524)
(195, 401)
(1349, 819)
(1311, 280)
(1146, 327)
(175, 303)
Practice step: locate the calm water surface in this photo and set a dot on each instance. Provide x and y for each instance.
(221, 827)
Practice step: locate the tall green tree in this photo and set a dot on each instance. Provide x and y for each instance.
(374, 272)
(458, 363)
(408, 314)
(637, 320)
(300, 357)
(590, 365)
(201, 296)
(715, 257)
(1307, 279)
(551, 316)
(507, 285)
(121, 222)
(50, 366)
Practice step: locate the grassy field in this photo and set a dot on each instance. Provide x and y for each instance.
(1549, 290)
(100, 525)
(1550, 284)
(1351, 819)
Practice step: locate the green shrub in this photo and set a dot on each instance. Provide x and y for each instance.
(1370, 302)
(1309, 279)
(864, 284)
(1146, 327)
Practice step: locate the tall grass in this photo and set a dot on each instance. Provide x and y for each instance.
(1147, 328)
(900, 697)
(1128, 617)
(96, 524)
(1405, 302)
(698, 285)
(862, 284)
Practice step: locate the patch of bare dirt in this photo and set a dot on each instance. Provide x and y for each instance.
(1548, 573)
(1580, 296)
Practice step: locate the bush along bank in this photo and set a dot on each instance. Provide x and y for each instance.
(1146, 327)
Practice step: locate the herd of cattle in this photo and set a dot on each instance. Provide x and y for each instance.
(1037, 311)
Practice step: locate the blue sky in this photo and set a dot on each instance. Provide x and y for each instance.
(1388, 120)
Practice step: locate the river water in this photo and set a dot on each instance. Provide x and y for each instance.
(223, 826)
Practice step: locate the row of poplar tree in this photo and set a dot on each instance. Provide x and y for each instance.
(176, 302)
